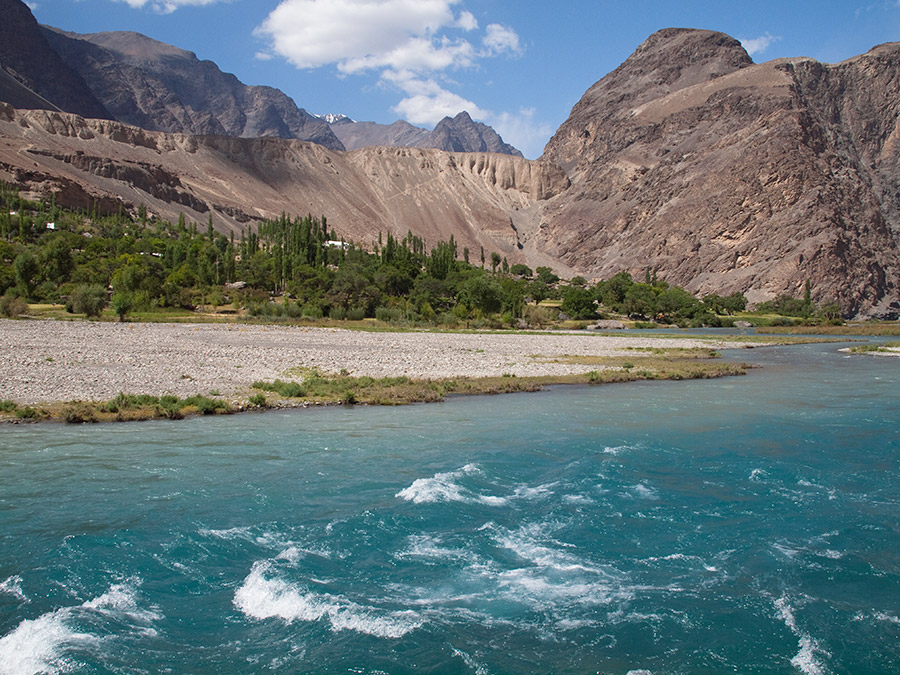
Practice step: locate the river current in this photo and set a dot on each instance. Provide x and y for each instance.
(747, 524)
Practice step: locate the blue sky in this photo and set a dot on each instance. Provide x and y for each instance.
(517, 65)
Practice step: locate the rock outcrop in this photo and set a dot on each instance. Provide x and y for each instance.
(722, 175)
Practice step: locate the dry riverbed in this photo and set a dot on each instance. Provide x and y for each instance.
(42, 362)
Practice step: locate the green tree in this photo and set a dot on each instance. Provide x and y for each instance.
(546, 275)
(578, 303)
(482, 293)
(122, 303)
(55, 260)
(87, 299)
(676, 303)
(640, 301)
(495, 261)
(520, 270)
(27, 270)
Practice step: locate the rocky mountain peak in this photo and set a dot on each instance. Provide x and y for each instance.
(137, 48)
(463, 134)
(668, 61)
(335, 118)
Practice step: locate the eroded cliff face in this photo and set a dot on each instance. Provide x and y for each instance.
(720, 175)
(481, 199)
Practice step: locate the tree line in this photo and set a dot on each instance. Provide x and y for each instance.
(89, 261)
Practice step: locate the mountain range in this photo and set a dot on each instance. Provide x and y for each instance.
(689, 161)
(454, 134)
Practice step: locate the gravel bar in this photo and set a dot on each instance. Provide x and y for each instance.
(53, 361)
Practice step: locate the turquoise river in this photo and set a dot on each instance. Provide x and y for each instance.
(740, 525)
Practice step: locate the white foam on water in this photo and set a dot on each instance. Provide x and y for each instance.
(877, 616)
(757, 475)
(228, 534)
(265, 596)
(577, 499)
(476, 667)
(442, 487)
(644, 491)
(785, 550)
(39, 645)
(809, 659)
(539, 492)
(427, 546)
(291, 554)
(555, 573)
(13, 586)
(890, 618)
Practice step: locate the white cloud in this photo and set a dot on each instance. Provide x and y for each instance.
(501, 39)
(467, 21)
(426, 101)
(429, 109)
(410, 44)
(32, 6)
(758, 45)
(312, 33)
(167, 6)
(522, 131)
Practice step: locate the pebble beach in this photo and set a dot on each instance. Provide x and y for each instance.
(54, 361)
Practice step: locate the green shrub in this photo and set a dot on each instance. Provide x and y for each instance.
(87, 299)
(205, 405)
(28, 413)
(338, 313)
(79, 413)
(258, 400)
(8, 406)
(356, 314)
(311, 311)
(288, 389)
(12, 306)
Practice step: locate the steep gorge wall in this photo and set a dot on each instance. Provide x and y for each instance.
(721, 176)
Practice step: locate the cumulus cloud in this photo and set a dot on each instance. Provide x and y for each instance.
(410, 44)
(501, 39)
(758, 45)
(522, 131)
(167, 6)
(362, 33)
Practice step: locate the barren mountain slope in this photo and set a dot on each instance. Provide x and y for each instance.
(481, 199)
(724, 176)
(33, 73)
(156, 86)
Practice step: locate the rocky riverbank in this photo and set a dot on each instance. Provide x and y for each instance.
(52, 361)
